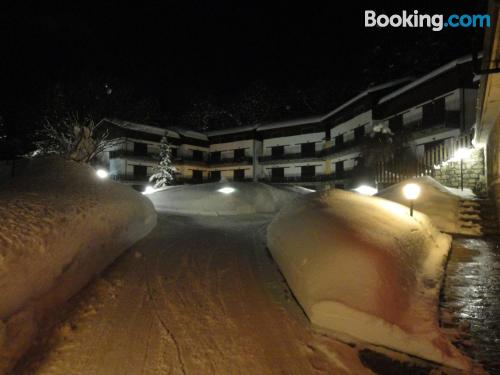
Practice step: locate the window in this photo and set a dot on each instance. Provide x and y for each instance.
(339, 168)
(140, 171)
(277, 174)
(308, 171)
(197, 155)
(173, 153)
(215, 156)
(396, 123)
(277, 151)
(359, 133)
(433, 113)
(339, 140)
(239, 154)
(140, 149)
(214, 175)
(197, 176)
(239, 174)
(307, 149)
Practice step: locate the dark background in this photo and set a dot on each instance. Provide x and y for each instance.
(208, 64)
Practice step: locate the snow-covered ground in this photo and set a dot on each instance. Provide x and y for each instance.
(365, 270)
(224, 198)
(442, 204)
(199, 295)
(61, 225)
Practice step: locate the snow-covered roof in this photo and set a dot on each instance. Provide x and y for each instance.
(427, 77)
(241, 129)
(143, 128)
(292, 122)
(365, 93)
(191, 134)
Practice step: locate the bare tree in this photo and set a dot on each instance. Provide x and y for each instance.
(74, 138)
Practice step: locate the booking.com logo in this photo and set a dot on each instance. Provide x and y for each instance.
(435, 21)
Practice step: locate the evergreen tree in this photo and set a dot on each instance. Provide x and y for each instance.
(165, 171)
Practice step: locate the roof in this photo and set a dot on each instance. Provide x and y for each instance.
(191, 134)
(142, 127)
(292, 122)
(241, 129)
(427, 77)
(365, 93)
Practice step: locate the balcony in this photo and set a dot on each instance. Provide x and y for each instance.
(235, 161)
(295, 156)
(130, 155)
(317, 178)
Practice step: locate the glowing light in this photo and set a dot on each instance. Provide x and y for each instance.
(149, 190)
(462, 154)
(226, 190)
(102, 173)
(411, 191)
(366, 190)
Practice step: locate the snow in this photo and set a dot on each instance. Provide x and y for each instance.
(364, 270)
(61, 225)
(204, 297)
(442, 204)
(212, 198)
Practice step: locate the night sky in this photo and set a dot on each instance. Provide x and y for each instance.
(162, 59)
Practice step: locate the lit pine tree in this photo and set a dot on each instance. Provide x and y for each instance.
(165, 171)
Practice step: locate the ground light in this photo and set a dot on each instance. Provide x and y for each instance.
(149, 190)
(461, 154)
(102, 173)
(411, 192)
(226, 190)
(366, 190)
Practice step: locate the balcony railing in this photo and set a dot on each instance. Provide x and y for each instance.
(129, 178)
(114, 154)
(241, 160)
(294, 156)
(316, 178)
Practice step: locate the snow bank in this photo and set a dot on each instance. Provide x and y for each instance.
(215, 199)
(440, 203)
(365, 270)
(60, 226)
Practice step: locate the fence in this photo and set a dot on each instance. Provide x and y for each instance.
(398, 169)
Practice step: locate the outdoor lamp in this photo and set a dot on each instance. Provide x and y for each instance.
(102, 173)
(411, 192)
(366, 190)
(226, 190)
(149, 190)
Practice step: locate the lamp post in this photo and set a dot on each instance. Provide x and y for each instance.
(411, 192)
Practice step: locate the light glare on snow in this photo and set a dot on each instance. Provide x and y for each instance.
(226, 190)
(102, 173)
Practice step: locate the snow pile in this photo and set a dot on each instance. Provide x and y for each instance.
(222, 198)
(442, 204)
(365, 270)
(60, 226)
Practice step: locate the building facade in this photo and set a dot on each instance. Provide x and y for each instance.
(320, 151)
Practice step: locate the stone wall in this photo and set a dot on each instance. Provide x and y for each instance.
(473, 173)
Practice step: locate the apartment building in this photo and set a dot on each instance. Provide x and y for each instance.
(316, 151)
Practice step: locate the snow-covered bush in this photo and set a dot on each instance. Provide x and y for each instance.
(61, 225)
(440, 203)
(364, 270)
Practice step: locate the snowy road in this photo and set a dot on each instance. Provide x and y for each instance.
(199, 295)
